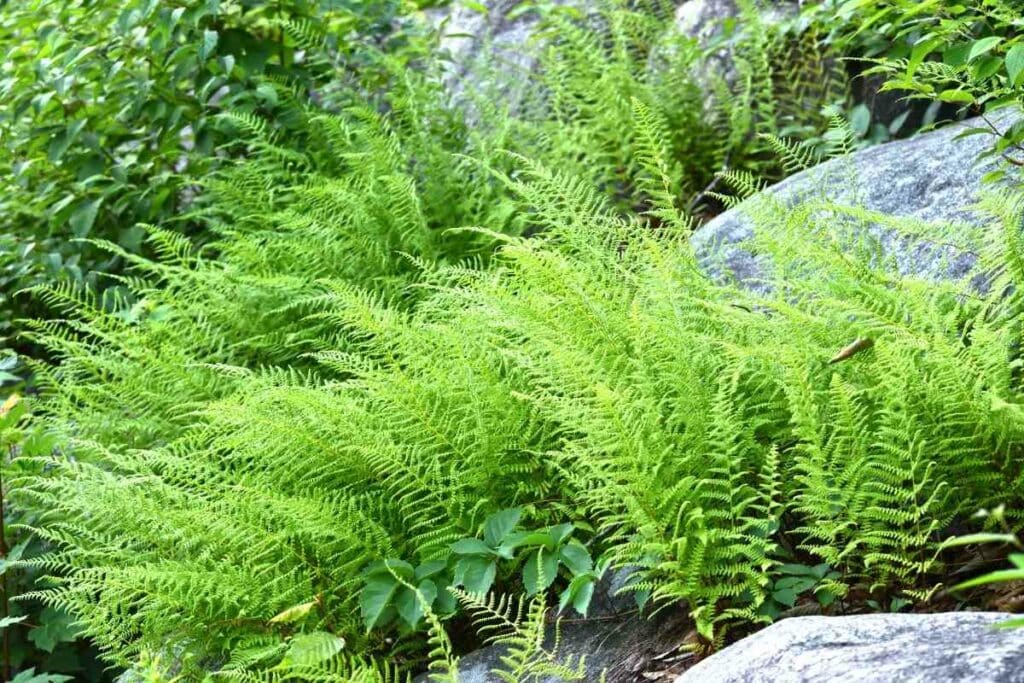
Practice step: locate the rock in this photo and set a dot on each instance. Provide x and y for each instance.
(872, 648)
(502, 32)
(706, 20)
(931, 177)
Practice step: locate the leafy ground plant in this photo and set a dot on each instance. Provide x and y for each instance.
(113, 113)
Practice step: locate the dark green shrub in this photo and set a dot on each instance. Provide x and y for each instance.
(110, 108)
(968, 56)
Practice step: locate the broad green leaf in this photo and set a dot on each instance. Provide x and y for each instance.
(391, 567)
(471, 546)
(445, 603)
(820, 570)
(1015, 63)
(208, 45)
(83, 216)
(560, 532)
(576, 557)
(860, 120)
(983, 46)
(58, 146)
(476, 573)
(10, 621)
(579, 593)
(786, 596)
(796, 570)
(30, 676)
(431, 568)
(309, 649)
(956, 95)
(986, 67)
(55, 626)
(500, 524)
(408, 603)
(376, 597)
(531, 539)
(581, 601)
(267, 94)
(798, 584)
(924, 47)
(540, 570)
(825, 596)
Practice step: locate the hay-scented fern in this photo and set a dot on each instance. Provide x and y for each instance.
(595, 372)
(350, 374)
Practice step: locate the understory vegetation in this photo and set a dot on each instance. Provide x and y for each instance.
(416, 360)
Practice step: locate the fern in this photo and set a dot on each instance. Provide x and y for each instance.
(520, 630)
(404, 325)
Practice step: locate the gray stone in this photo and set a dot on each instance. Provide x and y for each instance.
(932, 177)
(704, 21)
(501, 34)
(872, 648)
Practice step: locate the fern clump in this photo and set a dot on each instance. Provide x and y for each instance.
(699, 426)
(405, 325)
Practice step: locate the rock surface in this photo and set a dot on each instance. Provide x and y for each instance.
(703, 19)
(932, 177)
(872, 648)
(502, 32)
(706, 21)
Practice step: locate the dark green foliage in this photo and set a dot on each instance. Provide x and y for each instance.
(111, 109)
(34, 636)
(967, 55)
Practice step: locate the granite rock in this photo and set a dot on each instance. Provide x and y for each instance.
(952, 647)
(933, 177)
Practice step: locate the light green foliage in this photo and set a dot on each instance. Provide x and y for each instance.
(35, 637)
(699, 426)
(644, 111)
(520, 628)
(401, 332)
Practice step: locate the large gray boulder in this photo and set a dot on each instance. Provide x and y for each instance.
(954, 647)
(932, 177)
